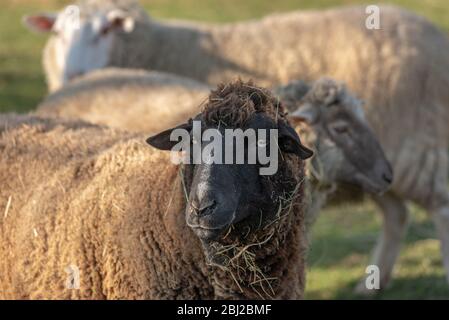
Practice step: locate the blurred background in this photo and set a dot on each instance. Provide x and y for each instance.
(344, 234)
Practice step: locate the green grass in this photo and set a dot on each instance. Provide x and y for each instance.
(343, 236)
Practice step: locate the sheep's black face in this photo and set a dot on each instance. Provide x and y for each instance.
(224, 194)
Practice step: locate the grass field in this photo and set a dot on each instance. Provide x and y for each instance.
(343, 236)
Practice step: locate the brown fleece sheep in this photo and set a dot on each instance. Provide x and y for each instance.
(88, 198)
(401, 70)
(153, 101)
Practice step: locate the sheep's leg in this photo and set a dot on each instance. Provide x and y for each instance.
(440, 218)
(395, 216)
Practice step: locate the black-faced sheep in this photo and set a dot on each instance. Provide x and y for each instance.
(331, 121)
(137, 100)
(400, 70)
(95, 213)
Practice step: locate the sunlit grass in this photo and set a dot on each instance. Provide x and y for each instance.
(344, 236)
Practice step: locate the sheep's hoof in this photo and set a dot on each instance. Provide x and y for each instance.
(363, 291)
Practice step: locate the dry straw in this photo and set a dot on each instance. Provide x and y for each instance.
(238, 258)
(8, 204)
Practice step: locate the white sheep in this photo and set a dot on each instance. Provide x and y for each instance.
(83, 32)
(135, 100)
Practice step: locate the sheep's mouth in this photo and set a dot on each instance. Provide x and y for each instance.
(208, 234)
(371, 186)
(207, 227)
(210, 240)
(210, 225)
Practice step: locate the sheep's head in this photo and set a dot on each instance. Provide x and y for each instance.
(347, 150)
(83, 35)
(228, 198)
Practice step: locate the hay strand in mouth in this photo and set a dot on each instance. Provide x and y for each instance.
(245, 248)
(181, 174)
(8, 205)
(173, 190)
(231, 227)
(240, 261)
(235, 280)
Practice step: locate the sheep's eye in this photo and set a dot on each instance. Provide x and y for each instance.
(340, 129)
(104, 30)
(335, 104)
(337, 101)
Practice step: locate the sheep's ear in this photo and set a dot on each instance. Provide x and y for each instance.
(289, 141)
(42, 23)
(306, 112)
(162, 140)
(120, 19)
(326, 91)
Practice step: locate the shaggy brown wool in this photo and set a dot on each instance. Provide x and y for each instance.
(254, 258)
(81, 196)
(233, 103)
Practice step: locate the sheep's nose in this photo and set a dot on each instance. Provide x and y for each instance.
(203, 208)
(387, 178)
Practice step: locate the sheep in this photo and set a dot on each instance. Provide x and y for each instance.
(302, 44)
(134, 100)
(91, 212)
(332, 122)
(89, 26)
(137, 100)
(400, 70)
(420, 166)
(331, 165)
